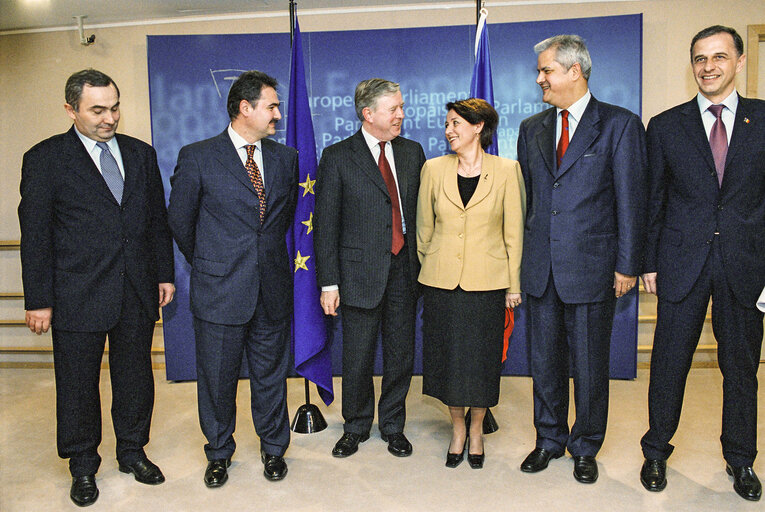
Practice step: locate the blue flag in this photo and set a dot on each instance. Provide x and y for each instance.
(481, 84)
(313, 359)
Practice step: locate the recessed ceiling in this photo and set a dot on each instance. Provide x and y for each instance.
(41, 14)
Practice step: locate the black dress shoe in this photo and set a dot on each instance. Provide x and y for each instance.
(84, 491)
(475, 461)
(454, 459)
(538, 460)
(398, 444)
(745, 482)
(274, 467)
(585, 469)
(653, 475)
(348, 444)
(145, 471)
(216, 473)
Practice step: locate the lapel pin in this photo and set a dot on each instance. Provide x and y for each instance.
(746, 120)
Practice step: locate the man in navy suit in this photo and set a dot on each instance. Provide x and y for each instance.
(705, 239)
(366, 260)
(584, 165)
(97, 261)
(233, 198)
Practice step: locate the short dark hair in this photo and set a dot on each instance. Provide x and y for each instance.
(475, 110)
(247, 87)
(718, 29)
(78, 80)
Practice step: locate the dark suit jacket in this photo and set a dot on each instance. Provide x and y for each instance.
(78, 245)
(584, 220)
(687, 206)
(213, 214)
(353, 221)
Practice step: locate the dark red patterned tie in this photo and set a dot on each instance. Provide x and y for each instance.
(257, 180)
(563, 141)
(718, 141)
(390, 183)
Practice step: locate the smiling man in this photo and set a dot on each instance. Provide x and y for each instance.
(706, 238)
(233, 198)
(97, 262)
(584, 165)
(366, 260)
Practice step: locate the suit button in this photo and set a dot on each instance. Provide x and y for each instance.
(460, 235)
(122, 273)
(713, 173)
(709, 242)
(125, 240)
(555, 212)
(719, 207)
(556, 185)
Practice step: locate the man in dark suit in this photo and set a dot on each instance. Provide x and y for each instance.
(97, 261)
(366, 260)
(706, 238)
(584, 165)
(233, 198)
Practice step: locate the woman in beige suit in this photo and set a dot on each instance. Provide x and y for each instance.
(470, 215)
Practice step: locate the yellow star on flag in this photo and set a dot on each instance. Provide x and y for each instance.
(300, 261)
(309, 223)
(307, 185)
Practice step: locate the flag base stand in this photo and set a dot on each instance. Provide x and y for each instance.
(308, 418)
(490, 425)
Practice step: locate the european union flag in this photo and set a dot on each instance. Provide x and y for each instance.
(481, 84)
(313, 359)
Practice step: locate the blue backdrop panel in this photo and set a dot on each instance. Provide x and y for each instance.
(189, 78)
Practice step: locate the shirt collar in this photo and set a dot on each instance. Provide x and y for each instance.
(731, 102)
(90, 144)
(370, 139)
(576, 109)
(239, 141)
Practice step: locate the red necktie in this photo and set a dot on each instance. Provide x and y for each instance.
(390, 183)
(257, 180)
(563, 141)
(718, 141)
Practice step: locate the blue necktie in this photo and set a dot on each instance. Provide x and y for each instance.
(111, 172)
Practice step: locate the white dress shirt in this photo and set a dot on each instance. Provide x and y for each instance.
(95, 152)
(728, 113)
(575, 112)
(241, 149)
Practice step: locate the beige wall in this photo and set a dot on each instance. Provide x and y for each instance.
(34, 67)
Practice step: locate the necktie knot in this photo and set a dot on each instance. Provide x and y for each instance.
(103, 146)
(110, 171)
(564, 114)
(250, 148)
(716, 110)
(382, 146)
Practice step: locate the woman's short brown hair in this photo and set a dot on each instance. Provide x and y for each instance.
(475, 110)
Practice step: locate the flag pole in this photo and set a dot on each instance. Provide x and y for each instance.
(489, 422)
(308, 418)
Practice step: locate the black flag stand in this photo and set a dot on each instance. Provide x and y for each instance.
(308, 418)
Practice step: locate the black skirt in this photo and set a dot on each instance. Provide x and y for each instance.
(462, 346)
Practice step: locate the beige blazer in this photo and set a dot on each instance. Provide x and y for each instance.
(477, 247)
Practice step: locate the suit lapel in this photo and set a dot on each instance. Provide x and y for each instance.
(742, 134)
(228, 158)
(546, 139)
(694, 128)
(402, 164)
(362, 157)
(586, 132)
(132, 168)
(451, 190)
(82, 165)
(485, 182)
(271, 169)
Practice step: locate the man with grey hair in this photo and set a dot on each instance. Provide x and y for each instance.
(584, 165)
(366, 260)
